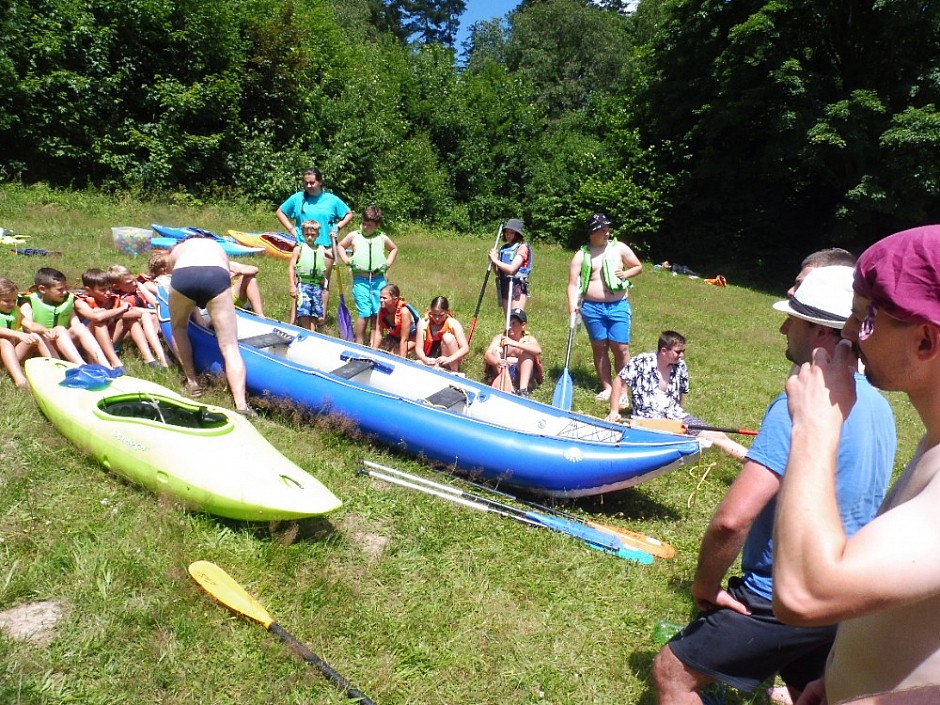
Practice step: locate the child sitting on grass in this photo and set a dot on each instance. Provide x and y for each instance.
(15, 344)
(49, 311)
(110, 319)
(125, 285)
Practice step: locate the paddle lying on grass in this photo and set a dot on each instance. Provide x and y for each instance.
(674, 426)
(630, 539)
(595, 538)
(226, 590)
(564, 388)
(343, 319)
(486, 278)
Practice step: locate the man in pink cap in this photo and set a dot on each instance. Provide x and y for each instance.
(883, 584)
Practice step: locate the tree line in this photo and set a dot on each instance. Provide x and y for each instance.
(739, 134)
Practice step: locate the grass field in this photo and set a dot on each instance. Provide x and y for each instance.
(414, 600)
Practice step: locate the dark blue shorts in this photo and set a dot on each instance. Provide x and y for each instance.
(201, 284)
(744, 651)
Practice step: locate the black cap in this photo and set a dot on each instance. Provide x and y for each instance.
(596, 222)
(518, 313)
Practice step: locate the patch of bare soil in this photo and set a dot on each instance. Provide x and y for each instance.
(371, 543)
(35, 622)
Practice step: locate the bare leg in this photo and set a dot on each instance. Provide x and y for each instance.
(222, 311)
(64, 347)
(375, 335)
(180, 309)
(12, 362)
(103, 338)
(526, 364)
(449, 346)
(246, 288)
(361, 330)
(148, 322)
(79, 332)
(676, 684)
(600, 349)
(136, 331)
(326, 289)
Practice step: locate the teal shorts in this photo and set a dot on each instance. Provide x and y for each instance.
(366, 294)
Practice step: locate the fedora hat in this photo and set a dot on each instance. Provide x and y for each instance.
(824, 297)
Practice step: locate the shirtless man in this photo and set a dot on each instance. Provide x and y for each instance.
(883, 584)
(201, 278)
(598, 279)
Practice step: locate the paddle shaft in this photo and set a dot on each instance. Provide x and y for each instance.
(486, 278)
(676, 426)
(224, 588)
(343, 317)
(631, 539)
(576, 529)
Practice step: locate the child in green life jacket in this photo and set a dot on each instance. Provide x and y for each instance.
(15, 344)
(373, 252)
(308, 272)
(50, 313)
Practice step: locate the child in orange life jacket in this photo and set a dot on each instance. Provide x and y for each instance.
(15, 344)
(109, 319)
(49, 311)
(513, 265)
(308, 274)
(521, 356)
(125, 285)
(373, 252)
(398, 322)
(439, 338)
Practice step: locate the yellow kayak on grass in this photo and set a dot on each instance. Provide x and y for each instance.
(209, 458)
(275, 244)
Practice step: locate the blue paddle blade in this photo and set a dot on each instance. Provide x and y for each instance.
(344, 320)
(578, 530)
(564, 391)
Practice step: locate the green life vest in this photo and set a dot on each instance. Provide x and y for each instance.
(370, 258)
(51, 316)
(609, 266)
(311, 265)
(8, 320)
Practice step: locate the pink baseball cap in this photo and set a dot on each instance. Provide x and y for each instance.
(901, 274)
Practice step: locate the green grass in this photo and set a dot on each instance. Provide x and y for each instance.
(460, 607)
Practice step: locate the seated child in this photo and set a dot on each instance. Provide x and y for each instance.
(109, 318)
(439, 338)
(307, 274)
(125, 285)
(522, 355)
(245, 291)
(15, 344)
(49, 311)
(398, 322)
(373, 252)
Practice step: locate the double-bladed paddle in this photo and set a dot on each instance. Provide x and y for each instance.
(226, 590)
(594, 537)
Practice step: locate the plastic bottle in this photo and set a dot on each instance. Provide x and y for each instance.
(664, 631)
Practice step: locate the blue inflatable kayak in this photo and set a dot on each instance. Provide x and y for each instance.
(449, 419)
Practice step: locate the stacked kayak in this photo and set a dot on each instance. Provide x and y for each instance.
(168, 236)
(449, 419)
(275, 244)
(206, 457)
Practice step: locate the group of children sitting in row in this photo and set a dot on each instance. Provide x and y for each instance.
(90, 325)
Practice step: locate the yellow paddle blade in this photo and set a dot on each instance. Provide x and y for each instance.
(223, 588)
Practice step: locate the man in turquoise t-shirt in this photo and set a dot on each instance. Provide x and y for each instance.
(736, 639)
(313, 203)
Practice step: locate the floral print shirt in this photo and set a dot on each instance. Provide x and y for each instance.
(650, 402)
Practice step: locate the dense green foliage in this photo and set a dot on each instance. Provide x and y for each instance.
(739, 135)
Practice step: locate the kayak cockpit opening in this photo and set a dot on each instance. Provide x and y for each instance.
(162, 410)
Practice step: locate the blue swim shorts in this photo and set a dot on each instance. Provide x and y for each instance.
(309, 300)
(366, 294)
(607, 320)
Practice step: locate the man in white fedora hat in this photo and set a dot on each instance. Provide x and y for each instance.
(736, 638)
